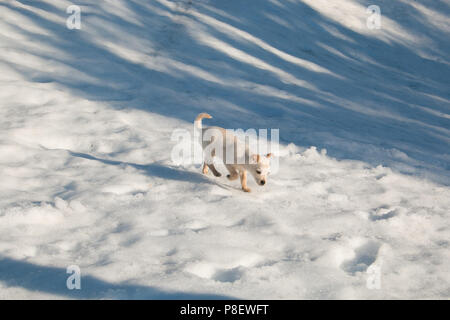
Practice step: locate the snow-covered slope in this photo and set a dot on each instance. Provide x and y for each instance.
(86, 118)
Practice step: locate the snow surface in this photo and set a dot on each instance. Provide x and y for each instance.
(87, 179)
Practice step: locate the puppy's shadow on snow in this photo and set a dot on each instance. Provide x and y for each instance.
(53, 280)
(153, 169)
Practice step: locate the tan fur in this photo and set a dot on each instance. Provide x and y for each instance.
(198, 120)
(255, 164)
(244, 181)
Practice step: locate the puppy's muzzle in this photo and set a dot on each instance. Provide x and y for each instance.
(262, 182)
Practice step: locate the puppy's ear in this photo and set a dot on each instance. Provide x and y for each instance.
(269, 155)
(256, 158)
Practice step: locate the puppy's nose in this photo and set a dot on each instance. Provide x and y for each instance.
(263, 182)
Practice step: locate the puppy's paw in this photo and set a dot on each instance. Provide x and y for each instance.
(231, 178)
(246, 189)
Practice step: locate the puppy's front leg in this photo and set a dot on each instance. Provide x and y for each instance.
(243, 175)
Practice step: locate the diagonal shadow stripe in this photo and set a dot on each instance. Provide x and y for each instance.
(33, 277)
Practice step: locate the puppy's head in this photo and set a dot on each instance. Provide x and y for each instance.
(260, 168)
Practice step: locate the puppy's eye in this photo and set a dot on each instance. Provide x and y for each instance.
(258, 171)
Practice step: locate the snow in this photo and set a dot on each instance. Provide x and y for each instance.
(86, 118)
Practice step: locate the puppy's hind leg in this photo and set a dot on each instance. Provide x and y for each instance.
(233, 172)
(205, 168)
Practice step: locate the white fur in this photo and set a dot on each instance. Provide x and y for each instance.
(218, 142)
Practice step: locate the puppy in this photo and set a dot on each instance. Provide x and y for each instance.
(237, 158)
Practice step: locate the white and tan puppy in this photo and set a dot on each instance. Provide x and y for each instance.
(221, 143)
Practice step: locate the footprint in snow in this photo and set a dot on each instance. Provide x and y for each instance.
(365, 255)
(228, 275)
(383, 213)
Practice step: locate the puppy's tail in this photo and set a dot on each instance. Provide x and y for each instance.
(198, 120)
